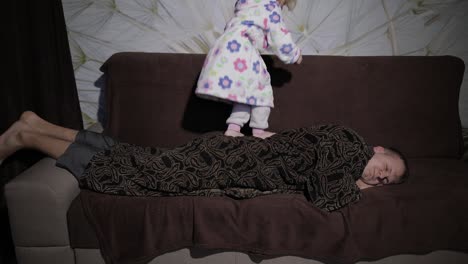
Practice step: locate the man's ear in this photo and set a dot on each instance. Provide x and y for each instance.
(379, 149)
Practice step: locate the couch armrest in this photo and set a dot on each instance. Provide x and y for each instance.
(38, 200)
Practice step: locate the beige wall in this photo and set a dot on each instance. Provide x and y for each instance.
(99, 28)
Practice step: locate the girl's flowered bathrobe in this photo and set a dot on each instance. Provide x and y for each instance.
(233, 70)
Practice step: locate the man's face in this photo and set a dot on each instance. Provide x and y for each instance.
(383, 168)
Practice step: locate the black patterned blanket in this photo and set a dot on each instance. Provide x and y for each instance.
(322, 162)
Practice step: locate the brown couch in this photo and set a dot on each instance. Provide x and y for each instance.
(410, 103)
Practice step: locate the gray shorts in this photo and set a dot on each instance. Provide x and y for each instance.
(76, 157)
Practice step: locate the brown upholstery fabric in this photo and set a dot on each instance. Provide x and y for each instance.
(465, 144)
(407, 102)
(428, 212)
(420, 216)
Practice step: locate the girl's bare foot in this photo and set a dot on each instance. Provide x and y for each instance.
(233, 133)
(10, 141)
(263, 134)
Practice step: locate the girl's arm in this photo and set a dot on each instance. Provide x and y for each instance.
(279, 38)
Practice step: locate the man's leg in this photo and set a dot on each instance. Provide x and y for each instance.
(95, 140)
(72, 156)
(20, 137)
(33, 132)
(39, 125)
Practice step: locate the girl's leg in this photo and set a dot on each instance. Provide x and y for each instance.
(259, 121)
(239, 116)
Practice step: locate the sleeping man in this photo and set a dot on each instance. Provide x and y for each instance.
(329, 164)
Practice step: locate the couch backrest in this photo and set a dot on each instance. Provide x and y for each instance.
(410, 103)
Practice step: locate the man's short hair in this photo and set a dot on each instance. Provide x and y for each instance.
(398, 153)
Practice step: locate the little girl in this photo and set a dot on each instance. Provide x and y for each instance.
(234, 70)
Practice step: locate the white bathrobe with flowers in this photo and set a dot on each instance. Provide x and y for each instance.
(234, 70)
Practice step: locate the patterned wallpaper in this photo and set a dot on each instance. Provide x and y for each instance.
(99, 28)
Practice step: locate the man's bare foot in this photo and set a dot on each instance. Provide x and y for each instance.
(232, 133)
(33, 122)
(264, 134)
(10, 141)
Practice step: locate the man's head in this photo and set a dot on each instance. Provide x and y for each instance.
(387, 166)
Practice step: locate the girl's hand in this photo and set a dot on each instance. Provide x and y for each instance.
(299, 60)
(362, 185)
